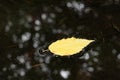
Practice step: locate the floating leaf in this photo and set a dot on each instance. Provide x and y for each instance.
(68, 46)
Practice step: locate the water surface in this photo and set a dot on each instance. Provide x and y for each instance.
(27, 26)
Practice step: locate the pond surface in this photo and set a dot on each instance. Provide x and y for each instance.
(28, 26)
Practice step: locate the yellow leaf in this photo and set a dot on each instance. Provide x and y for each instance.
(68, 46)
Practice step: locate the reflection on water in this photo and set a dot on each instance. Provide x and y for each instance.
(27, 27)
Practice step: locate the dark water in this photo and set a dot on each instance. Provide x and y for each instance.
(27, 26)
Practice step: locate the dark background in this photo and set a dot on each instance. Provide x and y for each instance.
(28, 26)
